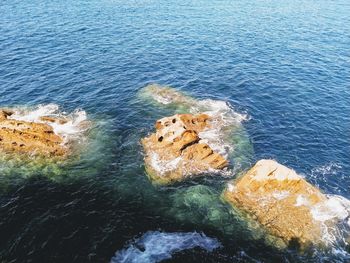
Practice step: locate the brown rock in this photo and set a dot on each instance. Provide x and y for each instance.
(174, 152)
(4, 114)
(53, 119)
(280, 200)
(29, 137)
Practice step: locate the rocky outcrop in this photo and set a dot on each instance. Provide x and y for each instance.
(280, 200)
(175, 150)
(29, 137)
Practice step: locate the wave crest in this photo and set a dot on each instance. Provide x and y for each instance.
(74, 125)
(156, 246)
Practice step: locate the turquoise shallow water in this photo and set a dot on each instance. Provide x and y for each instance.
(283, 65)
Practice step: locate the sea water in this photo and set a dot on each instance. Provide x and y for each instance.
(278, 71)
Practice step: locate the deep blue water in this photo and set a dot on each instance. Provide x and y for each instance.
(286, 64)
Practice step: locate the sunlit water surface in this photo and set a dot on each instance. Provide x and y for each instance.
(282, 68)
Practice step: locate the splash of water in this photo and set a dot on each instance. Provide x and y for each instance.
(334, 216)
(156, 246)
(335, 209)
(73, 127)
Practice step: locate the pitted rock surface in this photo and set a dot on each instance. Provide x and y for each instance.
(29, 137)
(174, 152)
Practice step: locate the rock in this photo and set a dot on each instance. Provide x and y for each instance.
(281, 201)
(4, 114)
(175, 152)
(53, 120)
(29, 137)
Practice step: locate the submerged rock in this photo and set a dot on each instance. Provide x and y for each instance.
(168, 96)
(33, 138)
(175, 151)
(283, 203)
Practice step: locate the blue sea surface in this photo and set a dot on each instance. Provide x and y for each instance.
(285, 64)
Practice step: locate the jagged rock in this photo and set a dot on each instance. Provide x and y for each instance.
(280, 200)
(175, 152)
(4, 114)
(29, 137)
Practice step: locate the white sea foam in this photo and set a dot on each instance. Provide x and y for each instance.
(324, 173)
(327, 169)
(302, 200)
(335, 207)
(333, 214)
(156, 246)
(231, 187)
(223, 121)
(164, 166)
(280, 195)
(71, 129)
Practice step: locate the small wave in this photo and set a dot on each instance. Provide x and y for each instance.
(335, 207)
(327, 169)
(334, 216)
(156, 246)
(327, 177)
(224, 120)
(72, 128)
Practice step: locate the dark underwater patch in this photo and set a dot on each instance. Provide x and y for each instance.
(85, 221)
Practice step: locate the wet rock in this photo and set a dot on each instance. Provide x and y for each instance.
(281, 201)
(53, 120)
(175, 151)
(29, 137)
(4, 114)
